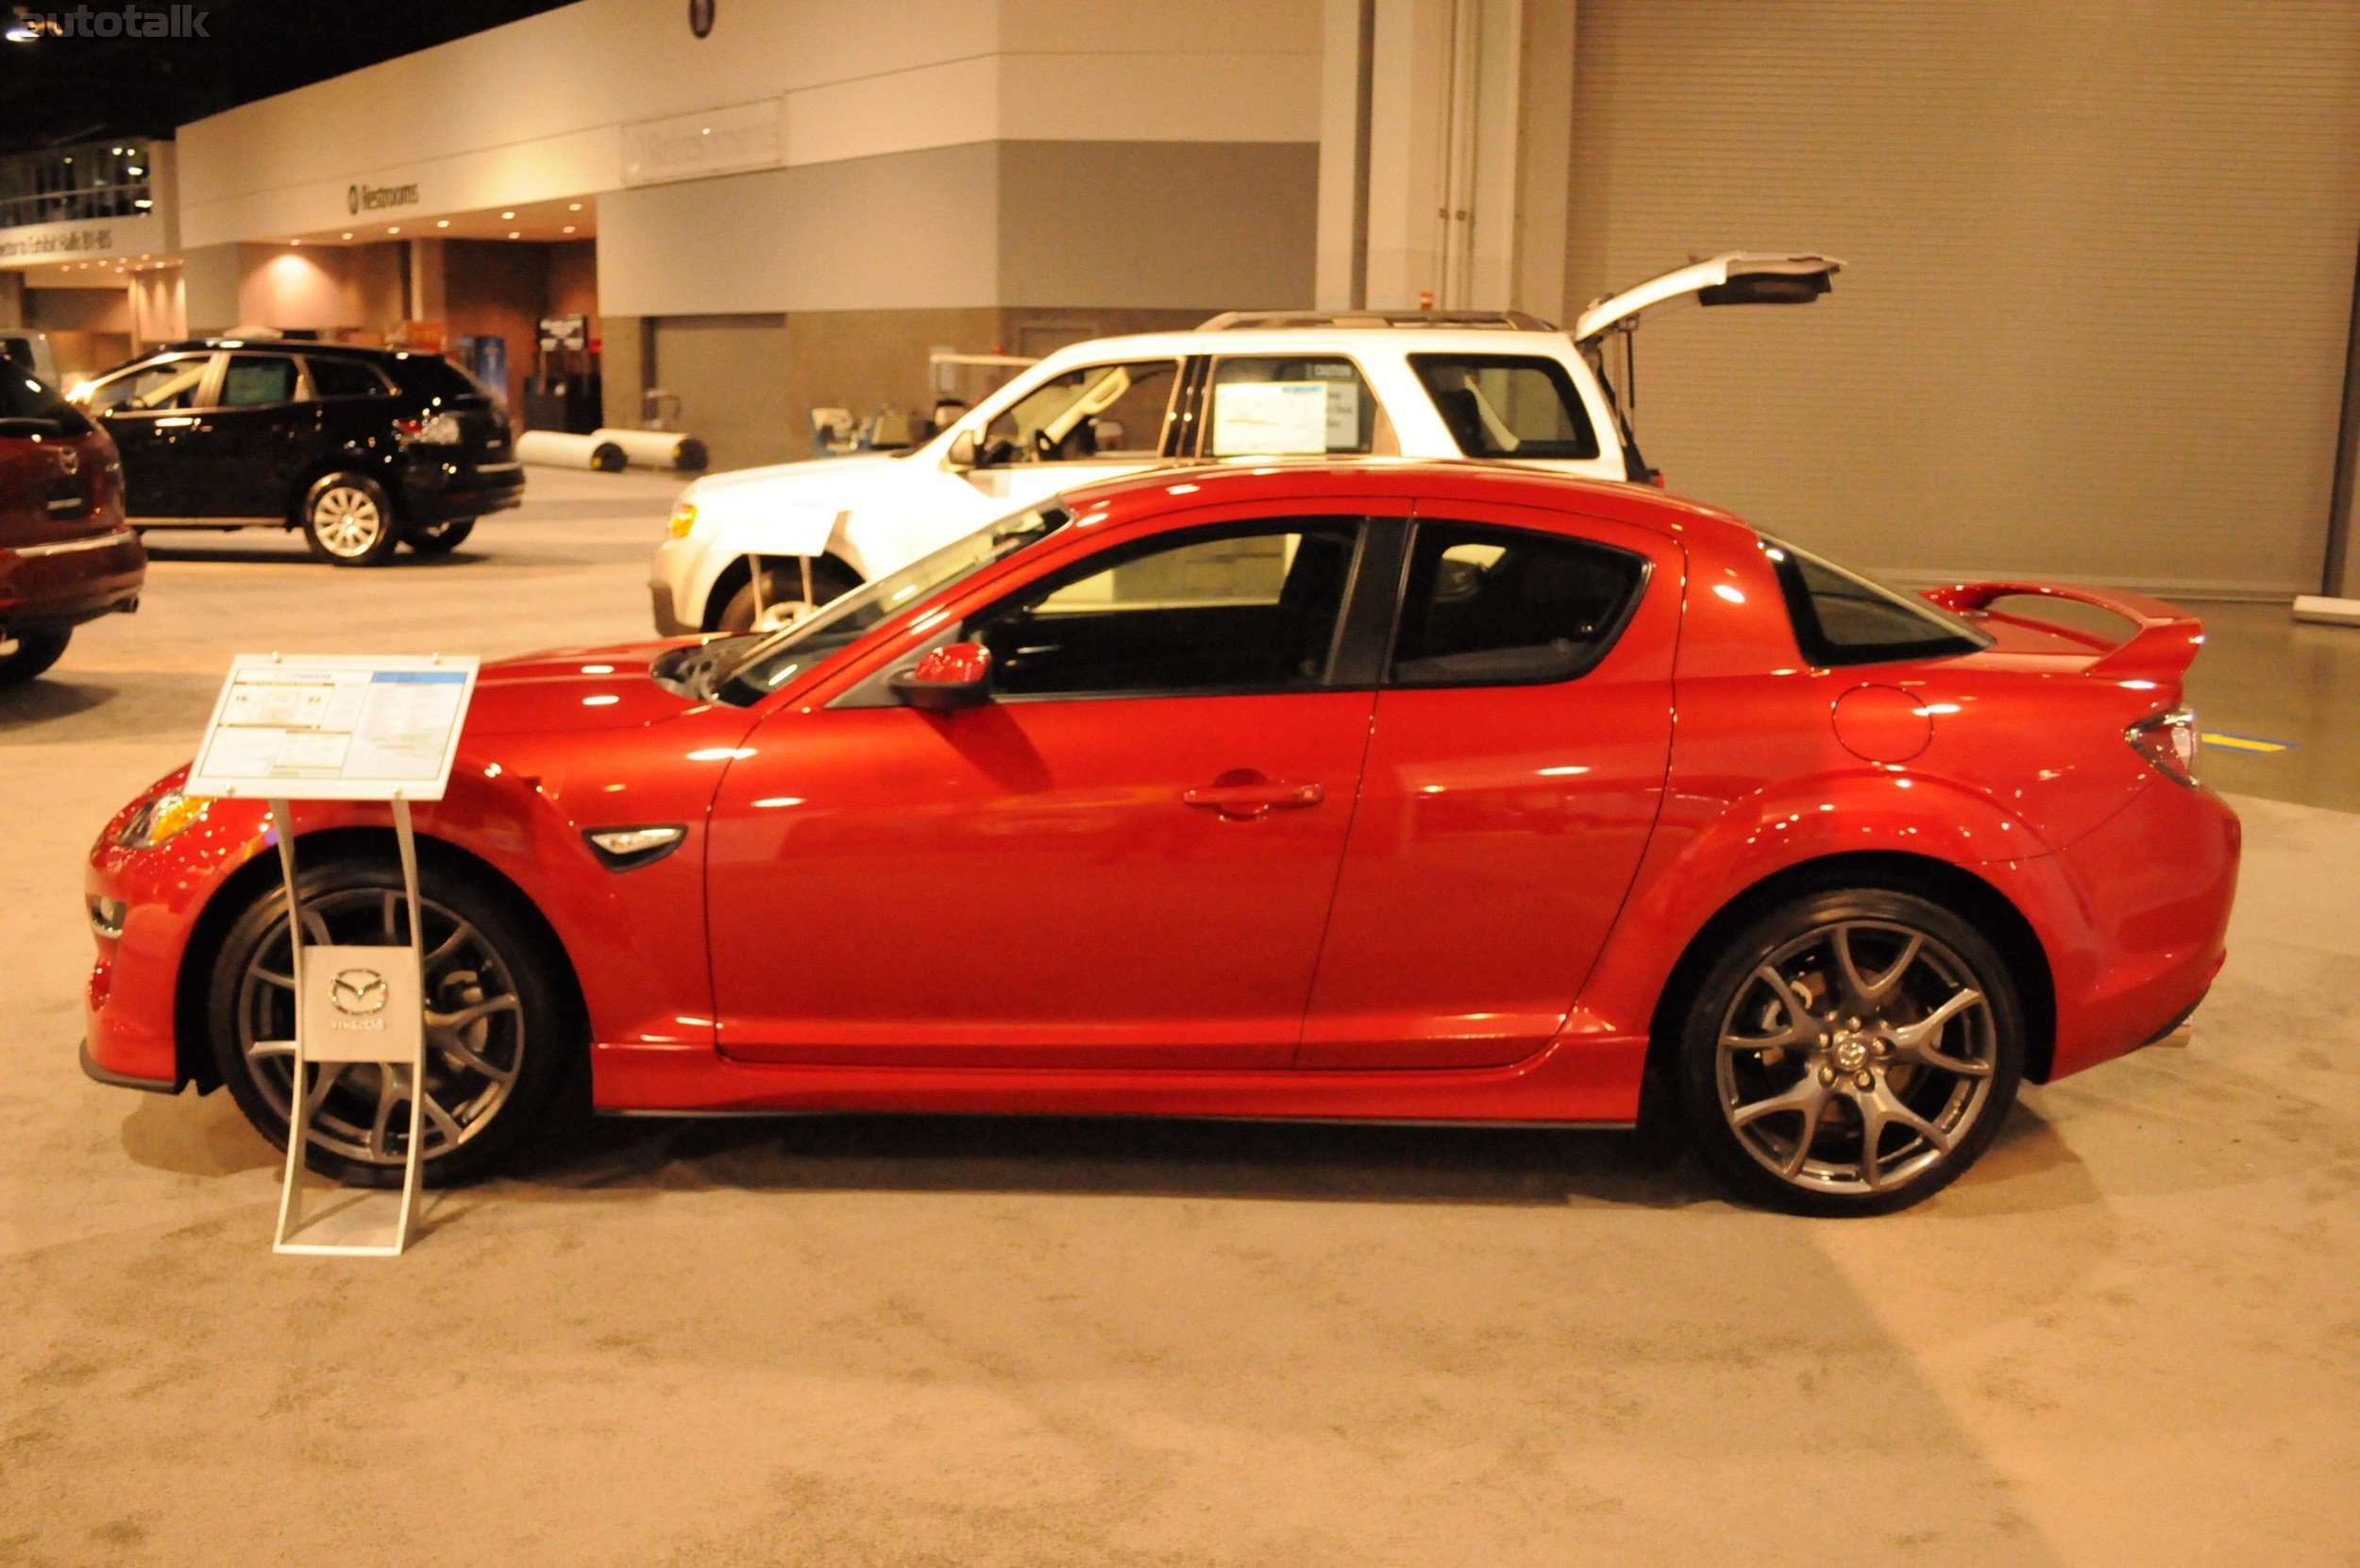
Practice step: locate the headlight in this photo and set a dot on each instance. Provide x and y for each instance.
(684, 519)
(163, 816)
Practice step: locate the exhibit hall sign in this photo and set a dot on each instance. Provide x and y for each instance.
(341, 728)
(719, 141)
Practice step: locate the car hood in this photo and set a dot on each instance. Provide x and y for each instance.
(573, 689)
(795, 504)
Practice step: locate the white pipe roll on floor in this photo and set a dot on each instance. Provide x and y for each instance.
(556, 449)
(658, 449)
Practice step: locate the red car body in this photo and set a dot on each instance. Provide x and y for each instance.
(65, 555)
(1468, 910)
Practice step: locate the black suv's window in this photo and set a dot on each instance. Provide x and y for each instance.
(1229, 608)
(1502, 606)
(1508, 405)
(35, 407)
(1842, 619)
(166, 384)
(256, 381)
(1269, 405)
(345, 378)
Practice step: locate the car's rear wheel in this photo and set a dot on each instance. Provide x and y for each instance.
(783, 601)
(29, 654)
(441, 538)
(1851, 1052)
(349, 521)
(499, 1045)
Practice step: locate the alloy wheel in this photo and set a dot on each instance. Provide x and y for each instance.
(1856, 1057)
(475, 1031)
(347, 521)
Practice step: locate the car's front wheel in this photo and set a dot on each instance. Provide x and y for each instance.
(441, 538)
(29, 654)
(783, 601)
(349, 521)
(499, 1042)
(1851, 1052)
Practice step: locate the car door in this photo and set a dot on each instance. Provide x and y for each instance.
(255, 439)
(1516, 764)
(1124, 859)
(150, 411)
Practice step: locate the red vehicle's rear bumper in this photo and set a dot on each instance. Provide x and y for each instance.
(49, 587)
(2155, 884)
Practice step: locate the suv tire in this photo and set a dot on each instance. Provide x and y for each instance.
(782, 595)
(440, 538)
(349, 521)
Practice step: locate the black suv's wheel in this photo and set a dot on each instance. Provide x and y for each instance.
(349, 520)
(1850, 1052)
(440, 538)
(783, 597)
(25, 656)
(499, 1045)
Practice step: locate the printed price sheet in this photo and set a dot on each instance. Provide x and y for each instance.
(334, 728)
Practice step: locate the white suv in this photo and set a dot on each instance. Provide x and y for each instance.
(761, 546)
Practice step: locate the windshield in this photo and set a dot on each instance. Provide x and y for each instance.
(751, 669)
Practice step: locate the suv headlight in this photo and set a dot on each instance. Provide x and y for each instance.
(684, 519)
(160, 818)
(2169, 741)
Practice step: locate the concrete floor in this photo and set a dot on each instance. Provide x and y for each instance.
(2131, 1336)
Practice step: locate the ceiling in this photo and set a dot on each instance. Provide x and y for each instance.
(56, 92)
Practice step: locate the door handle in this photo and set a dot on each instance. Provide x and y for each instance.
(1249, 798)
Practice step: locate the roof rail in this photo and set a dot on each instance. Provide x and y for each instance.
(1241, 321)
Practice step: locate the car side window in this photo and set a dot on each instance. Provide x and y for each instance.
(167, 384)
(1266, 405)
(1508, 405)
(1224, 610)
(258, 381)
(1099, 411)
(339, 379)
(1485, 605)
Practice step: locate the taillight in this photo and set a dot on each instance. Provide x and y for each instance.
(2169, 741)
(442, 429)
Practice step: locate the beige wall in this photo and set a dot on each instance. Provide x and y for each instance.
(315, 288)
(2099, 271)
(730, 373)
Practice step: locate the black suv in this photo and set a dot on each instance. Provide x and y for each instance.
(361, 448)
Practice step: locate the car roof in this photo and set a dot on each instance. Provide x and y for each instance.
(1507, 483)
(1375, 341)
(296, 345)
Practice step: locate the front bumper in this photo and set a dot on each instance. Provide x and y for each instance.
(97, 1075)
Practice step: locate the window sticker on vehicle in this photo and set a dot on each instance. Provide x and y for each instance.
(1270, 419)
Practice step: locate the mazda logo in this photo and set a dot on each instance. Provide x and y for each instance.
(358, 992)
(68, 460)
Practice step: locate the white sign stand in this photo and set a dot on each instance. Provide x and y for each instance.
(343, 729)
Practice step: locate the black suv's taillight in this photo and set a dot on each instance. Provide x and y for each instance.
(2169, 741)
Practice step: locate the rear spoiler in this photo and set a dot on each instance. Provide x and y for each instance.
(2165, 644)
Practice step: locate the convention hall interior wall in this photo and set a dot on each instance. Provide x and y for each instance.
(2099, 272)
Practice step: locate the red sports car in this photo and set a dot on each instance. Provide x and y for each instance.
(1443, 793)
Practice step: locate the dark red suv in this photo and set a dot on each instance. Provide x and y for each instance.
(65, 555)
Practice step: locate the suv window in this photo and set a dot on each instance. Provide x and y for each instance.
(345, 378)
(1267, 406)
(1841, 617)
(257, 381)
(1097, 410)
(1508, 405)
(1503, 606)
(166, 384)
(1229, 608)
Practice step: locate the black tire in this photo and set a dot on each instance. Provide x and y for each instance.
(440, 538)
(781, 588)
(1779, 1101)
(349, 521)
(499, 954)
(26, 656)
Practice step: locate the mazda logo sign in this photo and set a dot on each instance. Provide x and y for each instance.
(358, 993)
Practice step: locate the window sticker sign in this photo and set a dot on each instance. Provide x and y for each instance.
(1272, 418)
(334, 728)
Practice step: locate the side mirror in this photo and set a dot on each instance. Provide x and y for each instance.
(962, 454)
(950, 678)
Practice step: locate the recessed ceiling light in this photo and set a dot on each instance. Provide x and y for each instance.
(573, 206)
(394, 230)
(515, 235)
(508, 214)
(569, 228)
(441, 223)
(295, 242)
(348, 233)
